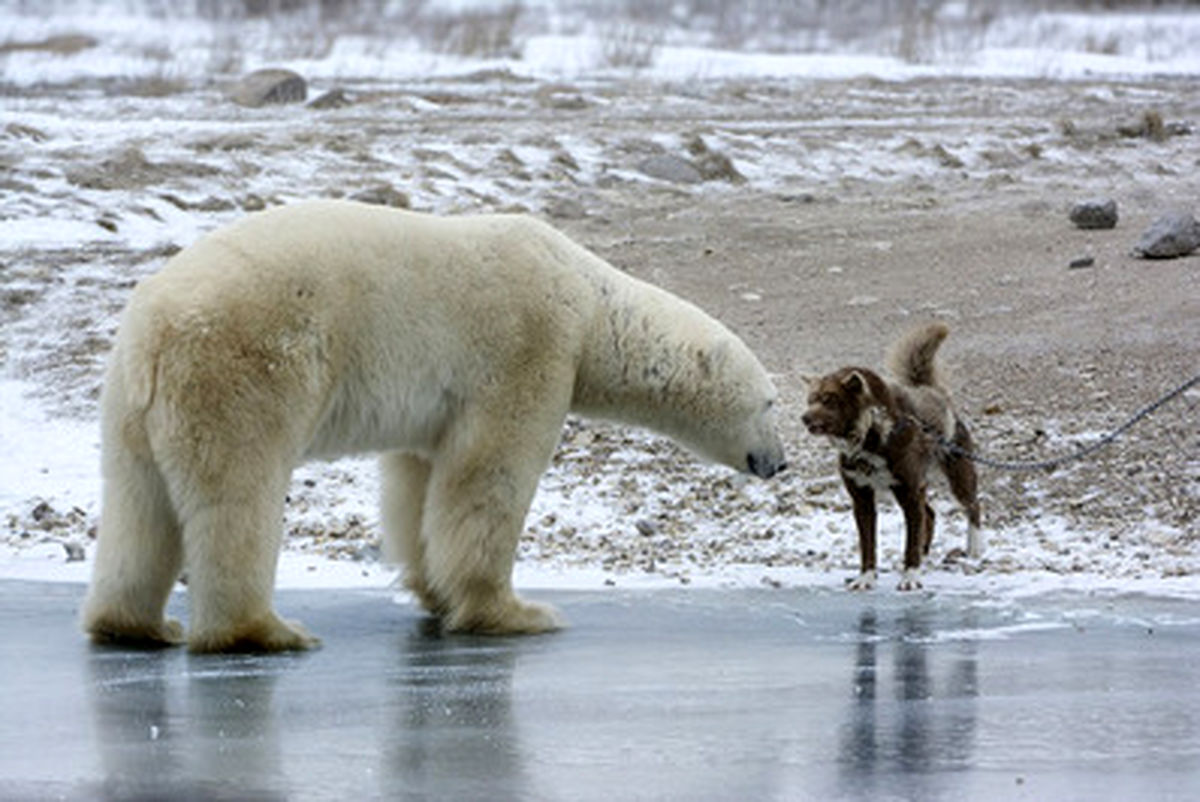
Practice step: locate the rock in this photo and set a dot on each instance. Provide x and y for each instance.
(19, 131)
(62, 45)
(561, 97)
(75, 552)
(646, 527)
(1096, 213)
(1174, 234)
(1149, 125)
(564, 208)
(946, 158)
(713, 165)
(383, 195)
(333, 99)
(673, 169)
(1081, 262)
(267, 87)
(564, 159)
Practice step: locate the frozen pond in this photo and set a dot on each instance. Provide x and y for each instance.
(687, 694)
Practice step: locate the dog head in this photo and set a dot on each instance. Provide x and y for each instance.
(839, 403)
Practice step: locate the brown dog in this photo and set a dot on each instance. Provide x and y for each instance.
(888, 432)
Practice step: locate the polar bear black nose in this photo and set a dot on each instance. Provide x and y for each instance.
(764, 466)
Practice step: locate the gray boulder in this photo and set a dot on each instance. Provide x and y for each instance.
(1174, 234)
(673, 169)
(268, 87)
(383, 195)
(1095, 214)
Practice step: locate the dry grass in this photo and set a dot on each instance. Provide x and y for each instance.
(629, 45)
(482, 33)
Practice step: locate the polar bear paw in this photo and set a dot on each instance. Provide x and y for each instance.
(267, 634)
(511, 616)
(168, 632)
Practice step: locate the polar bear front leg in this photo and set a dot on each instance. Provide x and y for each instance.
(405, 484)
(231, 542)
(475, 509)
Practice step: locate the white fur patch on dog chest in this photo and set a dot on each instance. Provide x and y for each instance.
(867, 470)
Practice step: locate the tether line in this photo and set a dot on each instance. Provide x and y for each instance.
(1081, 453)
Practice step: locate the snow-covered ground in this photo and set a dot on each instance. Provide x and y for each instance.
(101, 178)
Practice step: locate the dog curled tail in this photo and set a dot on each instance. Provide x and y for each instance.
(911, 360)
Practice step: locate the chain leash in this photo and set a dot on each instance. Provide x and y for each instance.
(1081, 453)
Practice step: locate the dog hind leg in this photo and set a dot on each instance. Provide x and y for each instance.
(964, 484)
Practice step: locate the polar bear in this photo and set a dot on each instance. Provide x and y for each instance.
(454, 346)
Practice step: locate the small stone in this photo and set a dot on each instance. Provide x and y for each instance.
(719, 167)
(383, 195)
(563, 208)
(19, 131)
(333, 99)
(673, 169)
(268, 87)
(561, 97)
(75, 553)
(1172, 235)
(946, 158)
(646, 527)
(1082, 261)
(1097, 213)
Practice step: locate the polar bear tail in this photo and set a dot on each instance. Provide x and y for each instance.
(130, 388)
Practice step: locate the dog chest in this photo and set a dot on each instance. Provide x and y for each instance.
(866, 469)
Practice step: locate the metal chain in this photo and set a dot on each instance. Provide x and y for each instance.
(1054, 462)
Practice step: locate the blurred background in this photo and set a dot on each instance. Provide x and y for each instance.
(196, 40)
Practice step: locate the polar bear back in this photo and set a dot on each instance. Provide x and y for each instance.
(390, 318)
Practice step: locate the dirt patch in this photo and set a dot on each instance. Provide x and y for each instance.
(130, 170)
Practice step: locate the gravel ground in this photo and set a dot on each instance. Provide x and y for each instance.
(826, 217)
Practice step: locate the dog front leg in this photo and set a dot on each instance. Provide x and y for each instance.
(912, 502)
(863, 498)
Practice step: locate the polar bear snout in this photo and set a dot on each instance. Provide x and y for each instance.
(765, 465)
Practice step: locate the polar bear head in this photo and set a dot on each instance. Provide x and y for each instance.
(653, 359)
(732, 416)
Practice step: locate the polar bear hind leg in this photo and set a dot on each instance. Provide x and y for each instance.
(231, 538)
(405, 483)
(138, 555)
(138, 550)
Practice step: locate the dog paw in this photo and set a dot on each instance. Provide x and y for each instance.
(863, 582)
(909, 580)
(974, 543)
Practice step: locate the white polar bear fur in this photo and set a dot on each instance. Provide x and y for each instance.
(454, 346)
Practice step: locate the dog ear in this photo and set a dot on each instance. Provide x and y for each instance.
(854, 383)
